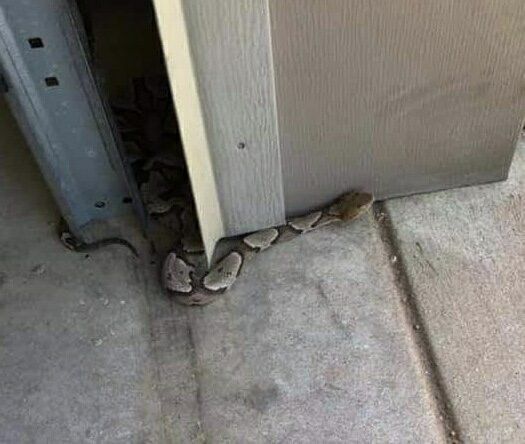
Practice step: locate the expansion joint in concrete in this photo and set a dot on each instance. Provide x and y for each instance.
(417, 331)
(196, 375)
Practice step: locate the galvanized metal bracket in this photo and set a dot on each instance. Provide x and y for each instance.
(51, 89)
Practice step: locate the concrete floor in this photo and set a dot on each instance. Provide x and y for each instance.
(405, 326)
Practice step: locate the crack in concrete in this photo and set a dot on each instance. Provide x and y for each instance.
(196, 375)
(426, 359)
(334, 316)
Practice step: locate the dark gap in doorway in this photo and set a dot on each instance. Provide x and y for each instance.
(127, 55)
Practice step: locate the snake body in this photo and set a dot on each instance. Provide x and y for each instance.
(74, 244)
(155, 152)
(185, 276)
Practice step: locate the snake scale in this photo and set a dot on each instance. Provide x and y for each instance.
(148, 128)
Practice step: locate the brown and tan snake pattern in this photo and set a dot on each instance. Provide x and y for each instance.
(156, 155)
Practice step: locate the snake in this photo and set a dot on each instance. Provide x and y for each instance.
(148, 127)
(70, 241)
(185, 275)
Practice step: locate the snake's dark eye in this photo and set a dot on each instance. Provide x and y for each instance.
(364, 199)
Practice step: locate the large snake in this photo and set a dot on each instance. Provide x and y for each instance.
(184, 273)
(156, 154)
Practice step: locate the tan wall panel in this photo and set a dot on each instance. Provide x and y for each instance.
(396, 96)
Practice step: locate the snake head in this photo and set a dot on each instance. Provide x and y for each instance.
(351, 205)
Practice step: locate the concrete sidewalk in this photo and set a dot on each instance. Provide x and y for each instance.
(464, 254)
(405, 326)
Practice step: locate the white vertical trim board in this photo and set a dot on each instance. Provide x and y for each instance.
(173, 32)
(219, 60)
(230, 45)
